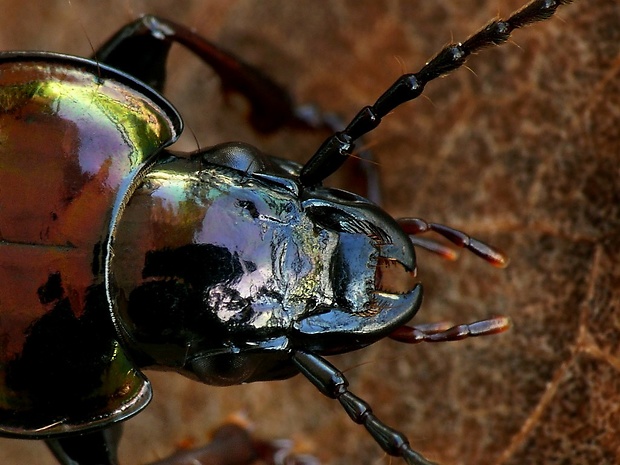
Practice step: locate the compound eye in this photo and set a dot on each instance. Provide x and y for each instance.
(238, 156)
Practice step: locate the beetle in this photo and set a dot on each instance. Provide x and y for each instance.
(229, 265)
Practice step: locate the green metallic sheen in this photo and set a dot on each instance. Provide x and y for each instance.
(73, 136)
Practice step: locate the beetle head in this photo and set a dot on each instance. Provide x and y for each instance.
(238, 268)
(372, 272)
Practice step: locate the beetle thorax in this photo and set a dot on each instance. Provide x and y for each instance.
(211, 260)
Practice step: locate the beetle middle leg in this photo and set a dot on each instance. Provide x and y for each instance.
(97, 448)
(231, 444)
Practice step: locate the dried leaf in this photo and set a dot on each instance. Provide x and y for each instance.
(523, 151)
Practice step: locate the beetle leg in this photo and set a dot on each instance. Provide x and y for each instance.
(417, 334)
(95, 448)
(232, 444)
(332, 383)
(141, 50)
(338, 147)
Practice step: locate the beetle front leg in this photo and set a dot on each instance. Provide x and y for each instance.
(141, 50)
(332, 383)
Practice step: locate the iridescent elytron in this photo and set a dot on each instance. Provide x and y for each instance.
(70, 142)
(226, 265)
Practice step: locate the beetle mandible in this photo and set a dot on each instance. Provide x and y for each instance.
(227, 265)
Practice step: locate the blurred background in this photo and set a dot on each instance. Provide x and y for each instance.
(522, 150)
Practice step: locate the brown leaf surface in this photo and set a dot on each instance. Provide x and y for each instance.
(522, 151)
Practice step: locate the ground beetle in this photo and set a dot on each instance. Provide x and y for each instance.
(226, 265)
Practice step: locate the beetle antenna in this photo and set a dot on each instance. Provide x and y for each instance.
(338, 147)
(332, 383)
